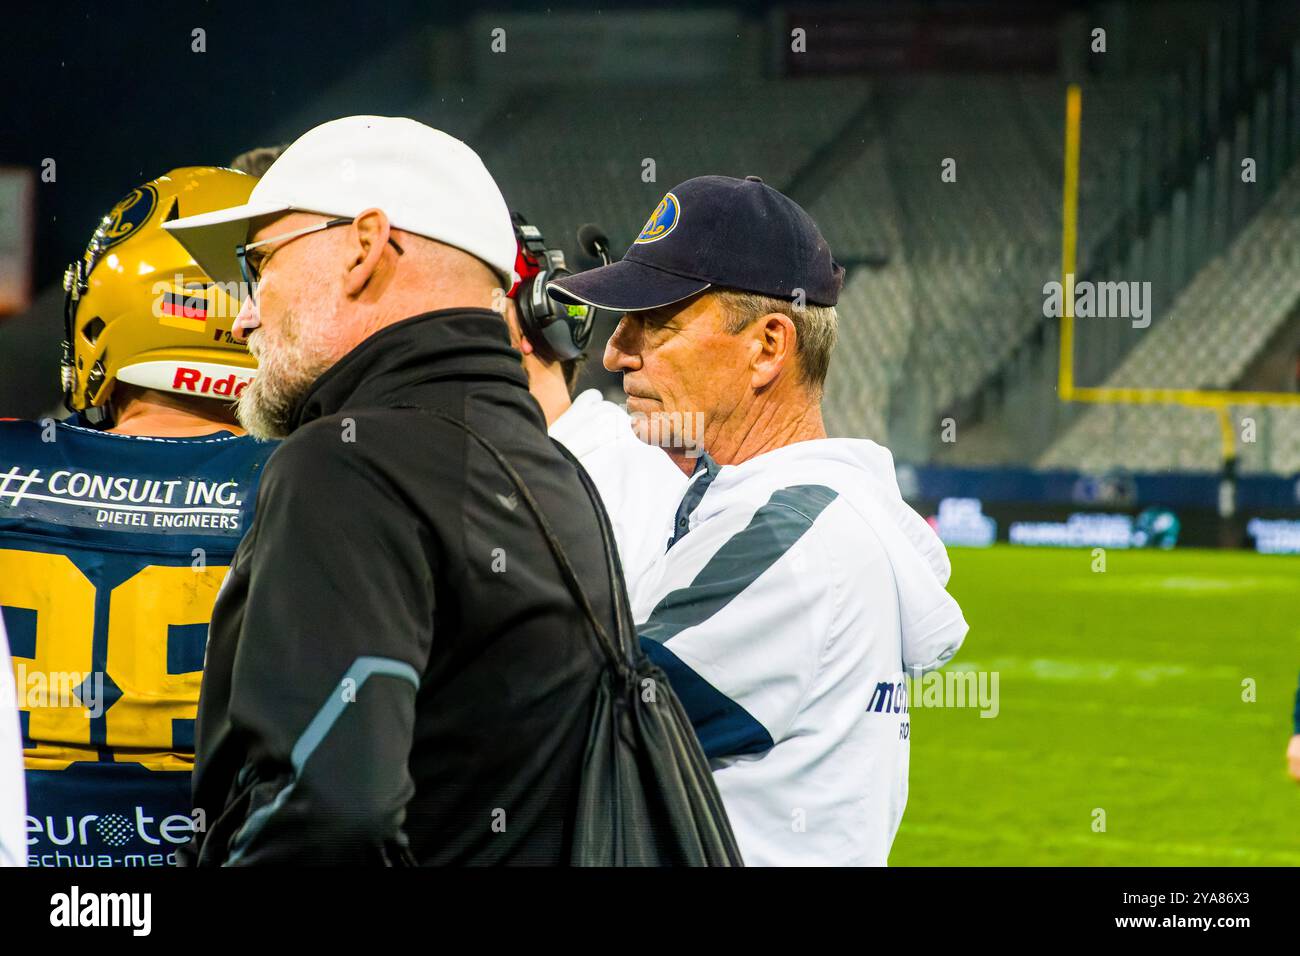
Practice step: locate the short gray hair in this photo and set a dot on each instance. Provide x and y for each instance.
(815, 328)
(256, 161)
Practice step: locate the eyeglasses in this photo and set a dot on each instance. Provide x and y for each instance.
(252, 262)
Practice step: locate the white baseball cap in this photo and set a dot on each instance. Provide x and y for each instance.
(426, 182)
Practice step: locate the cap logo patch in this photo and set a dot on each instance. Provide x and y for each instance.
(661, 222)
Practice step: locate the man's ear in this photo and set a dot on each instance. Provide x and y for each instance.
(774, 338)
(517, 338)
(370, 230)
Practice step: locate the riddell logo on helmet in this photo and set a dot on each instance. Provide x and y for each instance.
(193, 380)
(190, 376)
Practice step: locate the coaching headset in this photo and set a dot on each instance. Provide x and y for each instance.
(558, 332)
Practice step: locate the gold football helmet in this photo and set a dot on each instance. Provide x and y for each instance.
(139, 310)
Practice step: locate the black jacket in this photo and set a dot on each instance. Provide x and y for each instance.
(396, 670)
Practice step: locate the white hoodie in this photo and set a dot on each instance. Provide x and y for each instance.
(638, 483)
(797, 589)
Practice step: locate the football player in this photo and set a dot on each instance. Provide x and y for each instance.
(116, 529)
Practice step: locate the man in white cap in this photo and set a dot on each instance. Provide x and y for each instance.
(396, 670)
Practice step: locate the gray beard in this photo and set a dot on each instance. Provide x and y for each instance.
(267, 403)
(266, 411)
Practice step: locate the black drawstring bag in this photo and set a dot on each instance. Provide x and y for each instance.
(647, 796)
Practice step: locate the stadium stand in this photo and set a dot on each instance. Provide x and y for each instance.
(594, 144)
(964, 261)
(1216, 326)
(860, 219)
(944, 284)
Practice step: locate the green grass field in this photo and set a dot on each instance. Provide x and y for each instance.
(1121, 691)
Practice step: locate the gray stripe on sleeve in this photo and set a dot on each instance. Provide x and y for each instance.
(771, 532)
(362, 669)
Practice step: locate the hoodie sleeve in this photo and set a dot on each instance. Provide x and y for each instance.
(740, 628)
(337, 630)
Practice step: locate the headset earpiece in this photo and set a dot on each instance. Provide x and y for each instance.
(558, 332)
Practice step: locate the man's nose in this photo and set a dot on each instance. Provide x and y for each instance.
(622, 353)
(247, 320)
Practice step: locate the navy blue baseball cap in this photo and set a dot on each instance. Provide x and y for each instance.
(713, 231)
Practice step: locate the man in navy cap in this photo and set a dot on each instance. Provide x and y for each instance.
(798, 587)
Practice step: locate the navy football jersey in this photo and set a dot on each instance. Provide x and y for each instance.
(112, 549)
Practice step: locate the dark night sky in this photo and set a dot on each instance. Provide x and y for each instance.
(113, 92)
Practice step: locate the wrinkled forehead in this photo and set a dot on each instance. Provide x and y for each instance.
(701, 308)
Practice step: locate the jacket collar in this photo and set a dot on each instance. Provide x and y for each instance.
(396, 364)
